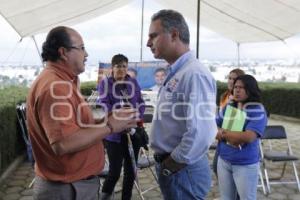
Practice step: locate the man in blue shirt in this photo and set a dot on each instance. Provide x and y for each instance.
(184, 121)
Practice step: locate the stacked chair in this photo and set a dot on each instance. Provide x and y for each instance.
(21, 117)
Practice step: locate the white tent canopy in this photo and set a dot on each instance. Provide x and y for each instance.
(29, 17)
(238, 20)
(245, 20)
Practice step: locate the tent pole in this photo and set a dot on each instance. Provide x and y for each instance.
(198, 29)
(142, 32)
(238, 54)
(38, 50)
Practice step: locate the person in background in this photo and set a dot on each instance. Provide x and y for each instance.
(226, 98)
(111, 96)
(181, 135)
(238, 161)
(66, 143)
(132, 72)
(159, 76)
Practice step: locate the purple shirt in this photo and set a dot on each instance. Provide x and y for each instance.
(111, 98)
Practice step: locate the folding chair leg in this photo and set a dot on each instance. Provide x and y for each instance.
(262, 182)
(267, 180)
(296, 174)
(138, 188)
(31, 183)
(283, 170)
(154, 175)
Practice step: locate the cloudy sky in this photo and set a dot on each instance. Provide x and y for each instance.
(119, 32)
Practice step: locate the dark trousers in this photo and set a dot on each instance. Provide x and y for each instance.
(117, 153)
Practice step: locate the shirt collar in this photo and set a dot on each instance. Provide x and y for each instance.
(179, 62)
(63, 71)
(172, 69)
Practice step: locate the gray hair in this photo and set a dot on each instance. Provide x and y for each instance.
(173, 19)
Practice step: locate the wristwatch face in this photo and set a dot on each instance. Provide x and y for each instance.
(166, 172)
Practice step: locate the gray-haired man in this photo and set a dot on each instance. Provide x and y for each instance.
(184, 123)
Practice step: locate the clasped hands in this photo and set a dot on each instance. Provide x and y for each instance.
(220, 134)
(224, 135)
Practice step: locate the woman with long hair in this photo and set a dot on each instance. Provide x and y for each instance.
(238, 162)
(225, 98)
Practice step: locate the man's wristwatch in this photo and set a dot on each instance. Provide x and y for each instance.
(166, 172)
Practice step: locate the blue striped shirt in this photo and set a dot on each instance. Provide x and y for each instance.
(184, 120)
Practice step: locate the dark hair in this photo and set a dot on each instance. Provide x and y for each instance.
(160, 69)
(251, 88)
(172, 19)
(116, 59)
(56, 38)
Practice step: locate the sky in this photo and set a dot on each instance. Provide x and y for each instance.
(119, 32)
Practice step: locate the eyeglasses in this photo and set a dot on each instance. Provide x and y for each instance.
(77, 47)
(120, 66)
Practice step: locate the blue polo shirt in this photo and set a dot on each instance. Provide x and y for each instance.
(249, 153)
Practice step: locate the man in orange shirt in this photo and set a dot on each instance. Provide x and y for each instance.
(66, 141)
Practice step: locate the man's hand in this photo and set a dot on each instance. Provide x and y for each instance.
(122, 119)
(171, 165)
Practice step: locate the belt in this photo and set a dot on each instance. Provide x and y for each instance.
(160, 157)
(64, 183)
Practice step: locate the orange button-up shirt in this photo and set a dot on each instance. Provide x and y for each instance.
(55, 111)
